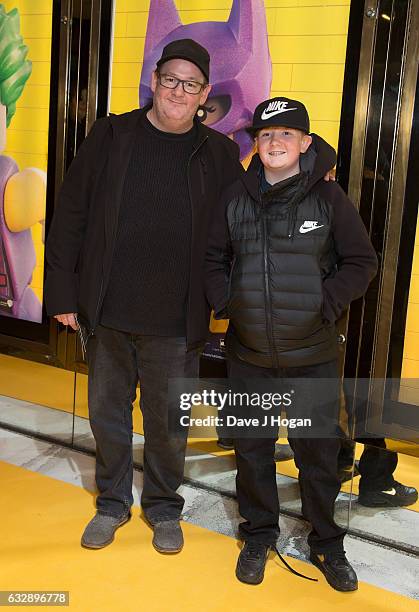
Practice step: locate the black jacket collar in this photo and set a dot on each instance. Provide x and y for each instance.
(128, 122)
(319, 159)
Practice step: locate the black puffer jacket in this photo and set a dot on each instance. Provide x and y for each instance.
(283, 264)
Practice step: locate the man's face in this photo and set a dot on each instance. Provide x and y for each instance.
(175, 105)
(279, 148)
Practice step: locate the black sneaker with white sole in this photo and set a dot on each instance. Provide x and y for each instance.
(337, 570)
(394, 497)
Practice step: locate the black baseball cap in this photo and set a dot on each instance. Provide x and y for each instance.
(187, 49)
(280, 112)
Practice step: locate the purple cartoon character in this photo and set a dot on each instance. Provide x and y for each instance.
(241, 70)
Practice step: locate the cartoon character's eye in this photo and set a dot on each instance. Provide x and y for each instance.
(216, 109)
(203, 111)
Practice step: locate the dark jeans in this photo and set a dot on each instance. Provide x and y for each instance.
(376, 467)
(117, 361)
(315, 458)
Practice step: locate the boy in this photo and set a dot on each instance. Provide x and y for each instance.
(287, 254)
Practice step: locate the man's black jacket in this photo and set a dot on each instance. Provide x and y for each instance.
(283, 264)
(81, 240)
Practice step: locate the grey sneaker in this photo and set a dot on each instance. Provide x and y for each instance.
(168, 537)
(101, 530)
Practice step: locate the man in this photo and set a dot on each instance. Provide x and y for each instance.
(125, 254)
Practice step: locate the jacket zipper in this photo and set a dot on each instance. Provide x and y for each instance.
(92, 331)
(194, 152)
(95, 320)
(230, 280)
(202, 171)
(268, 298)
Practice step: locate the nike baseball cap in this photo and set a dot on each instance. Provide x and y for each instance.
(187, 49)
(280, 112)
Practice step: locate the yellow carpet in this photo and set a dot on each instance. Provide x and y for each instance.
(37, 383)
(42, 520)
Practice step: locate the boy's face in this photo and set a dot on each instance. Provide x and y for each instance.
(279, 148)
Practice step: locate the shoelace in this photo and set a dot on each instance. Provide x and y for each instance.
(339, 559)
(291, 569)
(254, 550)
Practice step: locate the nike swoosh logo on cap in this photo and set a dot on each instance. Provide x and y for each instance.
(266, 115)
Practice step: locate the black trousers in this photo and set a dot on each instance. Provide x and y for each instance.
(117, 361)
(316, 459)
(376, 465)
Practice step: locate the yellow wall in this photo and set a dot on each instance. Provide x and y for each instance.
(410, 367)
(307, 41)
(27, 136)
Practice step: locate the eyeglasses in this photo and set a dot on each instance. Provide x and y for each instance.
(190, 87)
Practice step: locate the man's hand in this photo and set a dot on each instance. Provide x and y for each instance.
(67, 319)
(330, 176)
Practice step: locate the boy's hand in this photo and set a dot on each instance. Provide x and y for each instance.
(330, 176)
(67, 319)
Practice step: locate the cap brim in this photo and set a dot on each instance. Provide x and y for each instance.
(253, 130)
(163, 60)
